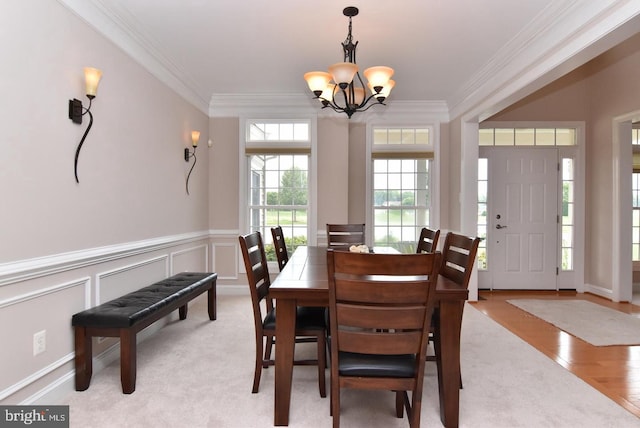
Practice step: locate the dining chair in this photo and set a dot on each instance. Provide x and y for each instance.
(345, 235)
(380, 308)
(280, 246)
(428, 241)
(310, 321)
(458, 257)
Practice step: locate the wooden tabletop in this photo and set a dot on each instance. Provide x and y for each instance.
(306, 271)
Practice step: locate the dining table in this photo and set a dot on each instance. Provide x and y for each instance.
(303, 282)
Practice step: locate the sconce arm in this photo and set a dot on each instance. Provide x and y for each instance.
(84, 136)
(195, 159)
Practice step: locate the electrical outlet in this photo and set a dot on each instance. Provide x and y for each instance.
(39, 342)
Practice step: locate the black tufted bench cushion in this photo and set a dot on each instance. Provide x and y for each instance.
(125, 316)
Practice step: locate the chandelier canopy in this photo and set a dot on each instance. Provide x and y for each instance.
(342, 88)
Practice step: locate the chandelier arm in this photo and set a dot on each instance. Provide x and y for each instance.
(369, 106)
(338, 109)
(346, 97)
(369, 99)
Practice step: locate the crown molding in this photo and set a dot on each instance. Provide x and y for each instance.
(232, 105)
(553, 38)
(120, 27)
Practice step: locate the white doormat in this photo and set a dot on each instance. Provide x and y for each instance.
(593, 323)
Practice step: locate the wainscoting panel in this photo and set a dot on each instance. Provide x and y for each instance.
(190, 259)
(49, 310)
(226, 257)
(125, 279)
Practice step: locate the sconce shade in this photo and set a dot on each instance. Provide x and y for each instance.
(92, 78)
(378, 76)
(343, 72)
(195, 137)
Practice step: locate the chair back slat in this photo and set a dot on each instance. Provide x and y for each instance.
(428, 241)
(345, 235)
(406, 342)
(280, 246)
(403, 317)
(376, 288)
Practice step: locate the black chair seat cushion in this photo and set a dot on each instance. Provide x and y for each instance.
(129, 309)
(352, 364)
(307, 318)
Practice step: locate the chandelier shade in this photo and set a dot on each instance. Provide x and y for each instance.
(342, 89)
(317, 81)
(327, 93)
(378, 77)
(342, 73)
(386, 89)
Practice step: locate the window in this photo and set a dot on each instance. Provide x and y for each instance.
(527, 137)
(635, 189)
(567, 215)
(635, 228)
(483, 208)
(278, 159)
(401, 191)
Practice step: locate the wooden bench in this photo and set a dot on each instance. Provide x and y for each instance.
(125, 316)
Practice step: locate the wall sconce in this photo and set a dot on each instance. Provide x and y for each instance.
(76, 109)
(195, 137)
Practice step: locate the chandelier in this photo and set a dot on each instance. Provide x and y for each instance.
(342, 88)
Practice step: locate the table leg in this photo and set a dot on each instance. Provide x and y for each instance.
(450, 323)
(285, 339)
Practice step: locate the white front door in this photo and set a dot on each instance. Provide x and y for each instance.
(523, 212)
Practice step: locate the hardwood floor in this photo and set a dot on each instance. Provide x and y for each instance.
(612, 370)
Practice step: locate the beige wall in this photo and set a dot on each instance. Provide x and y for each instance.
(357, 172)
(223, 174)
(602, 89)
(333, 172)
(67, 246)
(446, 198)
(131, 167)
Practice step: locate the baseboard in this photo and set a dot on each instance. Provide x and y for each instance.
(598, 291)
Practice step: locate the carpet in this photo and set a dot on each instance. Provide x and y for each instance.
(593, 323)
(196, 373)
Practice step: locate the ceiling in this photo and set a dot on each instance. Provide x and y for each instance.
(441, 50)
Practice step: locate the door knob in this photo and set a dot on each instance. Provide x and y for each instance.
(500, 227)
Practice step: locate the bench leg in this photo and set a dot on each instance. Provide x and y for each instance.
(128, 360)
(83, 358)
(211, 294)
(182, 311)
